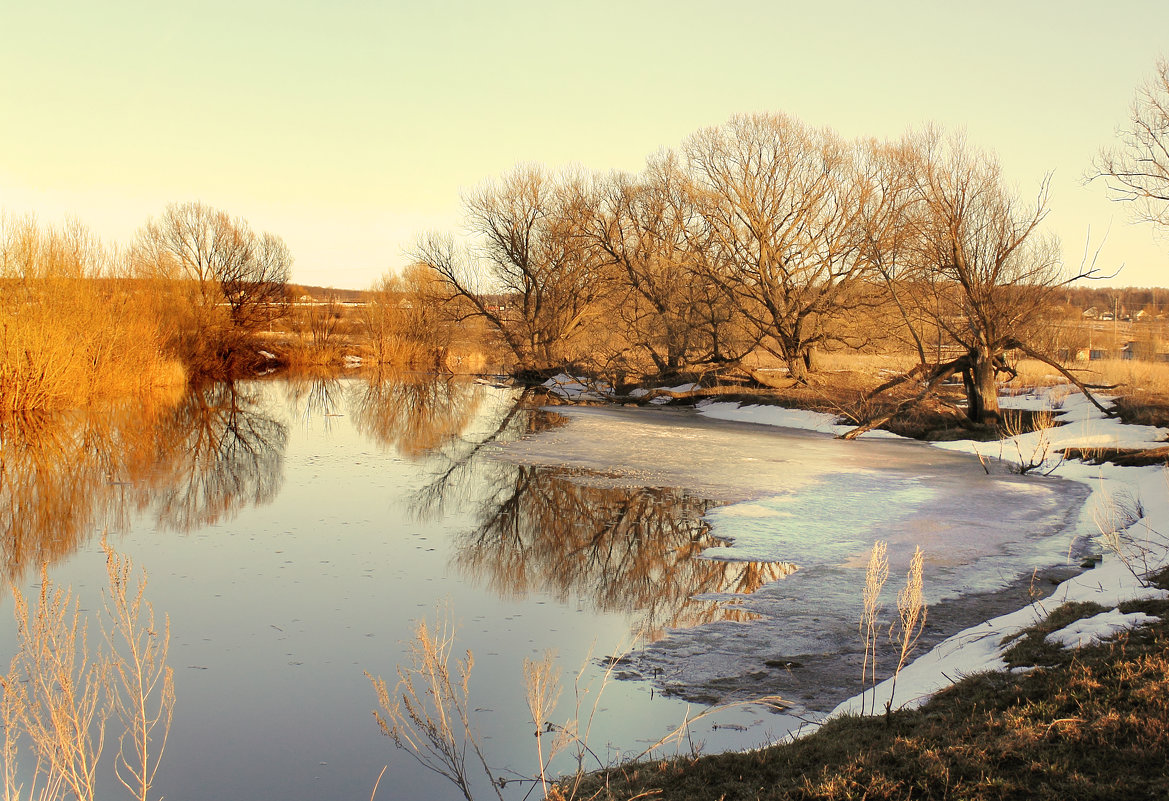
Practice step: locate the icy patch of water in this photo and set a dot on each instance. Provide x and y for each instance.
(820, 503)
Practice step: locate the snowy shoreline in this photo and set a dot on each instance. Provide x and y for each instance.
(1117, 495)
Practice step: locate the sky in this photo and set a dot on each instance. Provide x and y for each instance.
(349, 128)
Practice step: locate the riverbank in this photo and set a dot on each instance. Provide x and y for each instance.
(956, 701)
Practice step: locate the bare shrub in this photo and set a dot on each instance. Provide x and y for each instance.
(75, 329)
(222, 281)
(1040, 456)
(405, 322)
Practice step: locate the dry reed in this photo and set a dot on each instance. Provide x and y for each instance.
(912, 611)
(542, 686)
(428, 714)
(876, 574)
(58, 695)
(143, 693)
(58, 690)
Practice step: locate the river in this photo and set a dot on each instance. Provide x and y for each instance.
(294, 531)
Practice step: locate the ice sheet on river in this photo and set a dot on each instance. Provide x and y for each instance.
(802, 497)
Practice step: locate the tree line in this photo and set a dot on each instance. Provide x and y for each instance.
(761, 241)
(767, 237)
(762, 236)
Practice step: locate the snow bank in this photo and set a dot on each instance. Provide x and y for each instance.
(783, 417)
(1130, 505)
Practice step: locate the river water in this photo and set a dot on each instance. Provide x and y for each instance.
(294, 531)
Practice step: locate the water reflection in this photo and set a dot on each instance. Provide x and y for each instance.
(217, 450)
(562, 533)
(65, 477)
(631, 550)
(314, 394)
(415, 414)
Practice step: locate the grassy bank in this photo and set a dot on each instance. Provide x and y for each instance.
(1091, 723)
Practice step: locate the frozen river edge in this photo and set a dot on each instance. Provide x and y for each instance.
(979, 648)
(951, 656)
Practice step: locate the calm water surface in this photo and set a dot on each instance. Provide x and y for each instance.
(293, 531)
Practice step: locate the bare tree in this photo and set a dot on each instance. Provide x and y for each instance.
(780, 201)
(526, 272)
(1137, 171)
(233, 279)
(979, 267)
(648, 232)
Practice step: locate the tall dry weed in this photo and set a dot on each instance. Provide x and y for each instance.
(876, 574)
(912, 611)
(58, 689)
(143, 692)
(1126, 532)
(542, 691)
(60, 692)
(428, 714)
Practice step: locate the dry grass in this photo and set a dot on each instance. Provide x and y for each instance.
(60, 691)
(1141, 388)
(57, 690)
(428, 714)
(142, 695)
(911, 610)
(876, 574)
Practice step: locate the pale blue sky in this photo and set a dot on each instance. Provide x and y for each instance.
(349, 127)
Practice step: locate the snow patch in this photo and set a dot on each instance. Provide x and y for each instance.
(784, 418)
(1095, 629)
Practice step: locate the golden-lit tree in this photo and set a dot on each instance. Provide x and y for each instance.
(227, 281)
(782, 205)
(977, 265)
(646, 229)
(526, 272)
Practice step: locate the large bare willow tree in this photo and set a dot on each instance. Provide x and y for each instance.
(975, 262)
(782, 205)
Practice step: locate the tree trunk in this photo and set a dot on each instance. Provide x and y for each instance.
(797, 368)
(982, 398)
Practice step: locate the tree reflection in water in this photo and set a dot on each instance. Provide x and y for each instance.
(416, 414)
(630, 550)
(314, 394)
(217, 451)
(65, 477)
(574, 536)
